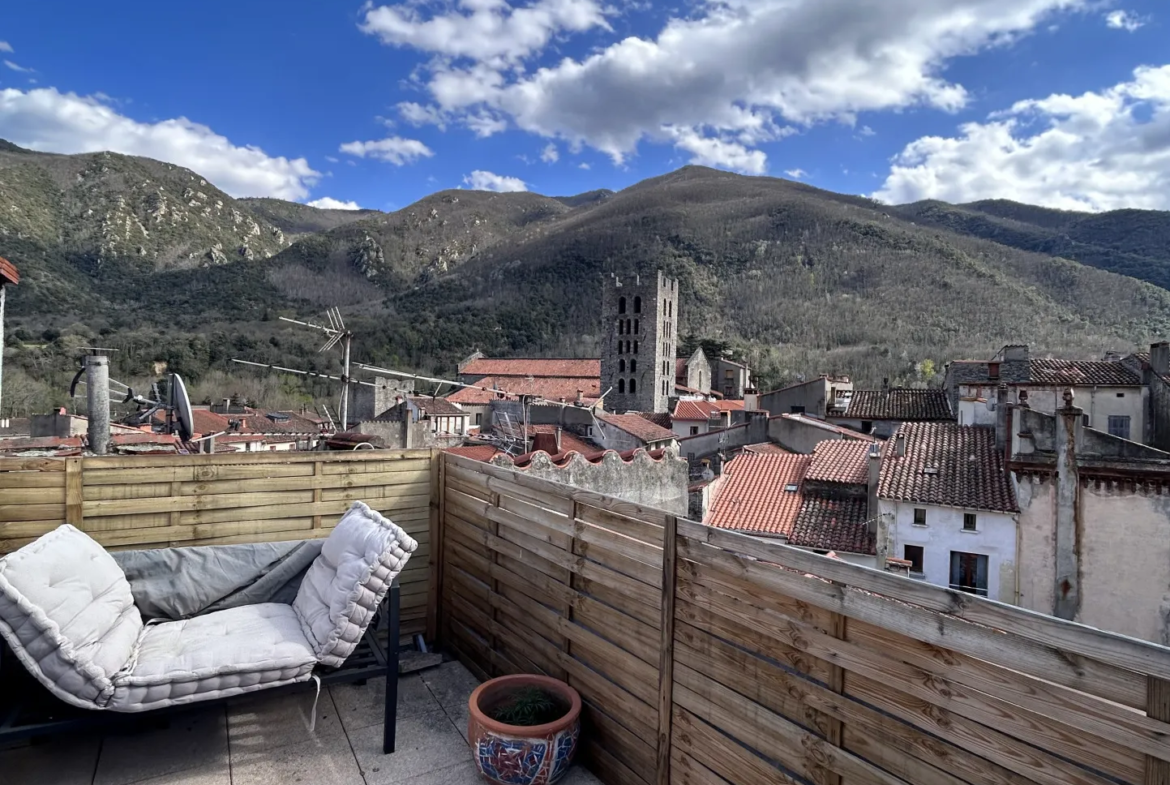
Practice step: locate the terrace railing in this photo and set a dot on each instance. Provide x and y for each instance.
(706, 656)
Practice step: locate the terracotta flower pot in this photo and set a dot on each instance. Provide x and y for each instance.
(522, 754)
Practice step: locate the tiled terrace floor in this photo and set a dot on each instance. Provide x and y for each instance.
(265, 740)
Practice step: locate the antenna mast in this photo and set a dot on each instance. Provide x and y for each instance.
(336, 333)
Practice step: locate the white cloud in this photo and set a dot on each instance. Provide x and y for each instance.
(866, 131)
(796, 174)
(1096, 151)
(1124, 20)
(417, 114)
(480, 180)
(19, 69)
(732, 73)
(45, 119)
(490, 31)
(550, 154)
(583, 165)
(392, 149)
(329, 203)
(331, 159)
(484, 124)
(6, 47)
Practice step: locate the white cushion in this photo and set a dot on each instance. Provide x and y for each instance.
(218, 655)
(67, 611)
(346, 583)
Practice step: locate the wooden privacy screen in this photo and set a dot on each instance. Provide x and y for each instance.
(174, 500)
(725, 658)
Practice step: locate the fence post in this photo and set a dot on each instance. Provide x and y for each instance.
(1158, 708)
(74, 493)
(435, 561)
(666, 649)
(318, 470)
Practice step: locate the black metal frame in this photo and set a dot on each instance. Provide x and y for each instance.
(28, 710)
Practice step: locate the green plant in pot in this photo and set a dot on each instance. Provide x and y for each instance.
(524, 729)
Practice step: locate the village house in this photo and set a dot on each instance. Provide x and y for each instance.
(732, 379)
(817, 397)
(880, 412)
(694, 417)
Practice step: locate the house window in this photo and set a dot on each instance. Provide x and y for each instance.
(919, 516)
(1085, 421)
(479, 418)
(729, 375)
(694, 430)
(969, 522)
(969, 572)
(1120, 395)
(622, 305)
(913, 554)
(621, 326)
(627, 347)
(619, 347)
(637, 305)
(993, 370)
(669, 308)
(635, 346)
(1119, 426)
(633, 386)
(866, 426)
(622, 386)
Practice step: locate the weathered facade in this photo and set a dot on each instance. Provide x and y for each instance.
(802, 433)
(731, 378)
(816, 397)
(639, 336)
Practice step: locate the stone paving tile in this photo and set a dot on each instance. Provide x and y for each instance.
(217, 774)
(363, 706)
(326, 761)
(59, 761)
(190, 740)
(460, 774)
(451, 684)
(262, 721)
(424, 743)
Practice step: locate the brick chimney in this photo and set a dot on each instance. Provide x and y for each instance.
(1160, 358)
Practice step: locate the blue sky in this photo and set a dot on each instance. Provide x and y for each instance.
(1059, 102)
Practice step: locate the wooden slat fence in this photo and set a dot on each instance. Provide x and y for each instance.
(726, 658)
(129, 502)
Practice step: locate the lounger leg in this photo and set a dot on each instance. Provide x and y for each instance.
(390, 711)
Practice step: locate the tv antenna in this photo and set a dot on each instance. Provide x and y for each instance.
(336, 333)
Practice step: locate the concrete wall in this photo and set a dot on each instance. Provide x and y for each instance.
(660, 483)
(1037, 551)
(1158, 413)
(1096, 402)
(695, 448)
(683, 428)
(799, 435)
(943, 533)
(399, 435)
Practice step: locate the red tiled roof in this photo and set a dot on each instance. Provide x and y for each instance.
(436, 407)
(661, 419)
(690, 411)
(899, 403)
(562, 459)
(1081, 372)
(752, 495)
(204, 422)
(8, 272)
(570, 442)
(476, 452)
(968, 470)
(833, 524)
(840, 460)
(550, 388)
(680, 368)
(729, 406)
(696, 391)
(638, 426)
(767, 448)
(536, 366)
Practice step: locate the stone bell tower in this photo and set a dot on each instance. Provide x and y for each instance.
(639, 329)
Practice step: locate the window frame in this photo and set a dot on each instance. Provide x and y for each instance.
(973, 519)
(915, 521)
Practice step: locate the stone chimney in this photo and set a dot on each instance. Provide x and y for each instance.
(874, 462)
(1001, 416)
(885, 384)
(1160, 358)
(580, 398)
(900, 445)
(751, 399)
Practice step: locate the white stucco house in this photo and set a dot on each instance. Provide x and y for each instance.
(949, 510)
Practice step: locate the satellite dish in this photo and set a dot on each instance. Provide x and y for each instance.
(180, 409)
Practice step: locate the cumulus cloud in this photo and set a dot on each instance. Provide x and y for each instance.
(51, 121)
(392, 149)
(725, 79)
(6, 47)
(550, 154)
(329, 203)
(480, 180)
(1096, 151)
(490, 31)
(18, 68)
(1124, 20)
(796, 174)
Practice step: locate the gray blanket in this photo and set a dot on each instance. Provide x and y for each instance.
(178, 583)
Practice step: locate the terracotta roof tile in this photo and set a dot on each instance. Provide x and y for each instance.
(947, 464)
(752, 496)
(899, 403)
(833, 524)
(638, 426)
(436, 407)
(550, 388)
(767, 448)
(476, 452)
(8, 272)
(1082, 372)
(729, 406)
(840, 460)
(690, 411)
(570, 442)
(535, 366)
(661, 419)
(204, 422)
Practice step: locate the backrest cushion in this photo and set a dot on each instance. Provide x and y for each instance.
(344, 586)
(67, 611)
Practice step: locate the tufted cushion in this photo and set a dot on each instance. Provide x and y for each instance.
(214, 656)
(346, 583)
(67, 611)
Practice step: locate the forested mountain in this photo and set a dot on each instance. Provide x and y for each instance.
(795, 279)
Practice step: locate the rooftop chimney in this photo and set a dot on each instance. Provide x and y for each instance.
(1160, 358)
(885, 384)
(900, 445)
(97, 393)
(1001, 416)
(580, 397)
(875, 469)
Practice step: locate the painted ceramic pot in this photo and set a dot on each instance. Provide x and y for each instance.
(519, 754)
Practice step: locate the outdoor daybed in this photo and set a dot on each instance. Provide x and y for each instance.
(70, 614)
